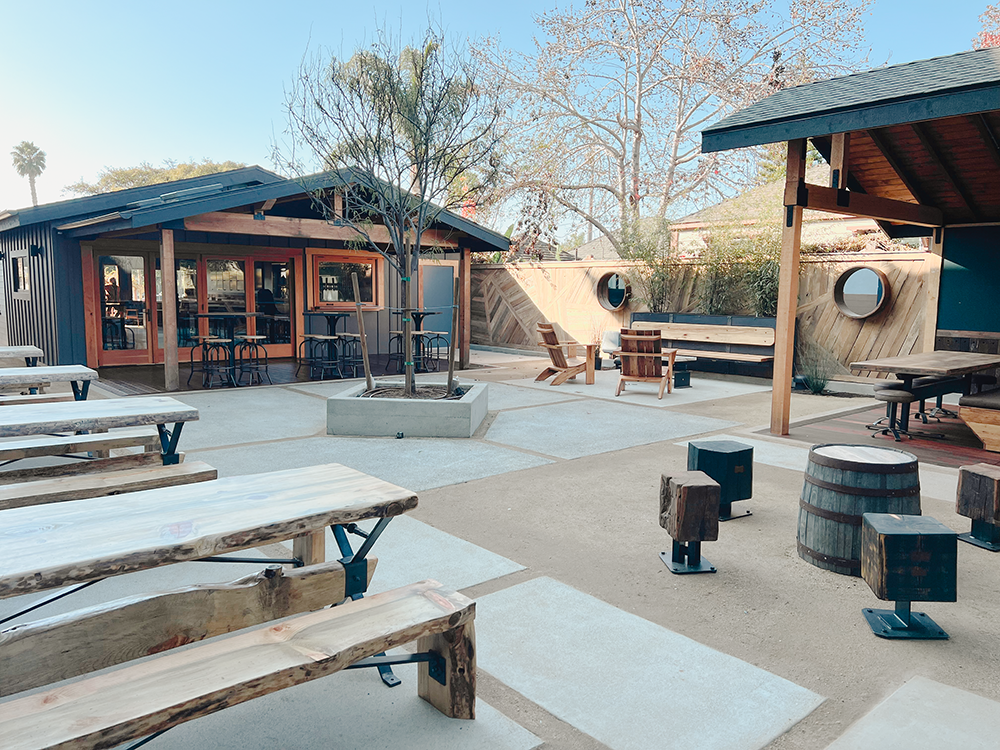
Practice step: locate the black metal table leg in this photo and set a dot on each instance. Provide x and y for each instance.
(168, 442)
(80, 389)
(349, 558)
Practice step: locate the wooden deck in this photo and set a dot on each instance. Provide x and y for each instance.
(959, 447)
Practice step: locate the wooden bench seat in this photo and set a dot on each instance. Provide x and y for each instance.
(685, 336)
(60, 445)
(42, 491)
(156, 694)
(7, 399)
(981, 412)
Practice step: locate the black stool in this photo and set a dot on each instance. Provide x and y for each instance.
(907, 559)
(731, 465)
(253, 360)
(217, 363)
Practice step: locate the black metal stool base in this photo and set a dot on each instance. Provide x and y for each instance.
(983, 534)
(902, 624)
(726, 513)
(686, 558)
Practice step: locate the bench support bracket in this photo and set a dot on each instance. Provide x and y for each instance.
(168, 441)
(435, 664)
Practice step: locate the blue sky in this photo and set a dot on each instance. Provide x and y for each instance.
(113, 83)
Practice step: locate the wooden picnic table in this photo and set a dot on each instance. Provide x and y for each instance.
(30, 354)
(104, 414)
(77, 376)
(50, 546)
(940, 363)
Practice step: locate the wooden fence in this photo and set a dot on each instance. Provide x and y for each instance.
(509, 300)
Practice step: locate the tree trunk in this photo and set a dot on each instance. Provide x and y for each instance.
(409, 287)
(34, 195)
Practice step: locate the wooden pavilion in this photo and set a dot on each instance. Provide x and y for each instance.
(84, 279)
(914, 146)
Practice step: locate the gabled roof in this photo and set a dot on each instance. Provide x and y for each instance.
(94, 205)
(961, 84)
(174, 201)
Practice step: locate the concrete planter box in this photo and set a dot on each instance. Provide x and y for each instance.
(346, 414)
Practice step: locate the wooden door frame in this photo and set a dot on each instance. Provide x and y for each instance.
(113, 357)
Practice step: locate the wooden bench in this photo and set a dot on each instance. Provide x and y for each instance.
(16, 399)
(43, 491)
(982, 413)
(714, 341)
(146, 438)
(174, 687)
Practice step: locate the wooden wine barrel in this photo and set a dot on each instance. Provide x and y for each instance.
(842, 482)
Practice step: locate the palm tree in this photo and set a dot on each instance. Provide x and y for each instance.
(29, 161)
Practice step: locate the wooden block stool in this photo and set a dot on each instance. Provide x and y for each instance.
(689, 511)
(979, 499)
(907, 559)
(731, 465)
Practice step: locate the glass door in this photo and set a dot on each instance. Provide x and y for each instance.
(273, 282)
(126, 324)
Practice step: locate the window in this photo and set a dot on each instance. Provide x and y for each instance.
(333, 284)
(20, 269)
(612, 291)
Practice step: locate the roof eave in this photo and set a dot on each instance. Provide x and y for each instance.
(934, 107)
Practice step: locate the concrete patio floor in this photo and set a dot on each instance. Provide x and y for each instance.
(548, 517)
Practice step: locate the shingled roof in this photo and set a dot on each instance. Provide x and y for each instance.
(960, 84)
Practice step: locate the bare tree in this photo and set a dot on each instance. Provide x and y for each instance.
(412, 132)
(606, 114)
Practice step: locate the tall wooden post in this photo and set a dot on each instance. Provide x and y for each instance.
(932, 289)
(168, 283)
(788, 289)
(464, 307)
(840, 155)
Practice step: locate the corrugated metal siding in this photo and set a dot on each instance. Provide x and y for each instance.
(71, 323)
(32, 321)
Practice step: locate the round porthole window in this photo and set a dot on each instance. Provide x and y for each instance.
(861, 291)
(613, 291)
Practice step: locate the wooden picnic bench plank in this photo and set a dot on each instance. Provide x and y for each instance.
(35, 654)
(93, 415)
(20, 352)
(51, 545)
(25, 399)
(139, 699)
(69, 470)
(145, 437)
(129, 478)
(11, 376)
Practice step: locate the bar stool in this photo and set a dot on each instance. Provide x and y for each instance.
(201, 346)
(306, 352)
(252, 359)
(217, 363)
(327, 359)
(351, 359)
(434, 342)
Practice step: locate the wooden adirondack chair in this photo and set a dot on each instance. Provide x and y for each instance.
(642, 360)
(561, 367)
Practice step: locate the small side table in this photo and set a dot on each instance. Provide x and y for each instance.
(731, 465)
(978, 498)
(689, 511)
(908, 559)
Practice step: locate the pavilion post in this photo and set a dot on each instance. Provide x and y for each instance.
(932, 280)
(840, 151)
(171, 377)
(788, 289)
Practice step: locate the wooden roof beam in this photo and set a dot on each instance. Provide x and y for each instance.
(925, 139)
(988, 136)
(850, 203)
(309, 229)
(904, 175)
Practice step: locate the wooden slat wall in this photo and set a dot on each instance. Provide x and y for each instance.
(32, 320)
(508, 302)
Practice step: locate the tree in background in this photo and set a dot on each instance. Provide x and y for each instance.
(606, 115)
(29, 161)
(990, 35)
(412, 130)
(110, 179)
